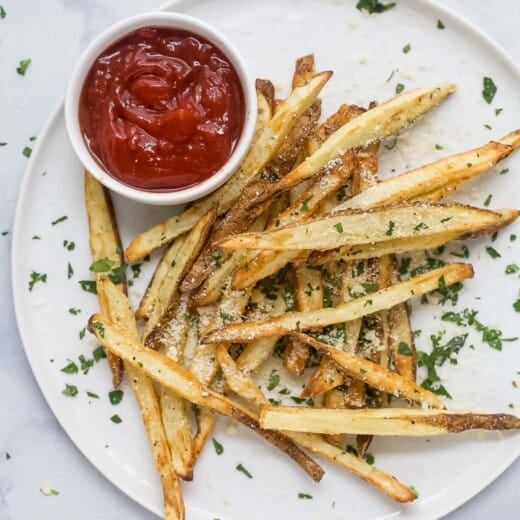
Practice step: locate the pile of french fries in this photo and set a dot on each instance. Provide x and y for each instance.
(294, 254)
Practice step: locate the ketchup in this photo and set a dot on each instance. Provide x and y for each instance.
(161, 109)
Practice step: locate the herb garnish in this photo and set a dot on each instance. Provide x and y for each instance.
(440, 25)
(58, 220)
(71, 368)
(70, 271)
(374, 6)
(489, 89)
(339, 227)
(305, 496)
(407, 48)
(244, 471)
(99, 353)
(305, 206)
(399, 88)
(492, 252)
(390, 228)
(70, 390)
(35, 278)
(24, 65)
(115, 396)
(74, 311)
(116, 419)
(27, 151)
(404, 348)
(219, 449)
(274, 380)
(88, 286)
(102, 265)
(3, 13)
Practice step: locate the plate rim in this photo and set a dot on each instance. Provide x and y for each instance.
(99, 464)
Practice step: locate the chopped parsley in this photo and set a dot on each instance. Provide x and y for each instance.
(339, 227)
(23, 66)
(3, 13)
(390, 228)
(49, 493)
(489, 89)
(70, 271)
(102, 265)
(241, 468)
(58, 220)
(85, 364)
(115, 396)
(27, 151)
(35, 278)
(305, 206)
(69, 246)
(420, 226)
(226, 317)
(439, 147)
(369, 458)
(468, 318)
(99, 353)
(116, 419)
(407, 48)
(404, 348)
(512, 269)
(488, 127)
(219, 449)
(82, 333)
(503, 171)
(437, 357)
(216, 257)
(74, 311)
(498, 111)
(305, 496)
(100, 328)
(492, 252)
(440, 25)
(516, 305)
(93, 395)
(274, 380)
(464, 253)
(399, 88)
(71, 368)
(70, 390)
(4, 233)
(374, 6)
(7, 456)
(88, 286)
(488, 200)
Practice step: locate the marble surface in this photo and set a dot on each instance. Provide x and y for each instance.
(35, 453)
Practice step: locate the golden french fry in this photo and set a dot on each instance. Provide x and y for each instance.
(425, 179)
(116, 308)
(355, 227)
(105, 244)
(266, 145)
(382, 421)
(375, 124)
(383, 299)
(187, 251)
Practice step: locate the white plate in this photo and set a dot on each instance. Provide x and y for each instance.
(363, 51)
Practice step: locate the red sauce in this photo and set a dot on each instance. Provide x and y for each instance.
(161, 109)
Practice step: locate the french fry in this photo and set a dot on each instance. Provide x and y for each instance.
(309, 297)
(374, 302)
(182, 382)
(375, 124)
(382, 421)
(243, 386)
(355, 227)
(266, 145)
(105, 244)
(161, 273)
(115, 306)
(374, 374)
(185, 255)
(425, 179)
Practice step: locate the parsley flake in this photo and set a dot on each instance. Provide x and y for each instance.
(440, 25)
(339, 227)
(305, 496)
(70, 390)
(35, 278)
(489, 89)
(374, 6)
(58, 220)
(24, 65)
(115, 396)
(399, 88)
(219, 449)
(71, 368)
(407, 48)
(116, 419)
(27, 151)
(241, 468)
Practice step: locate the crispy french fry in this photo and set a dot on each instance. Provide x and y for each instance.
(173, 376)
(375, 124)
(162, 312)
(116, 308)
(425, 179)
(105, 244)
(266, 145)
(383, 299)
(242, 385)
(355, 227)
(382, 421)
(374, 374)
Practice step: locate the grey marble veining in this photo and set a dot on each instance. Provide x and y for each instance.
(52, 33)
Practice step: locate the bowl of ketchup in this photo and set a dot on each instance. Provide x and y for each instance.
(161, 109)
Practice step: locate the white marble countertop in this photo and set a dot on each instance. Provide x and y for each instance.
(52, 33)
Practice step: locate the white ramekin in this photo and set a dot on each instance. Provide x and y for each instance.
(117, 32)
